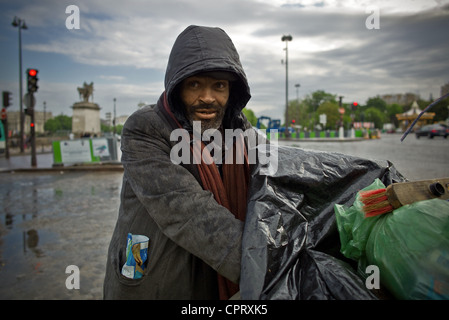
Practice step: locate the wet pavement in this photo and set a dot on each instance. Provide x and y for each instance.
(52, 219)
(44, 159)
(416, 159)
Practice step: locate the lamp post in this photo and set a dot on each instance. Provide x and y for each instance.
(45, 107)
(113, 121)
(297, 91)
(297, 99)
(21, 25)
(43, 127)
(286, 38)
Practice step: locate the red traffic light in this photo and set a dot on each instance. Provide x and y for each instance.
(293, 121)
(32, 124)
(355, 104)
(32, 80)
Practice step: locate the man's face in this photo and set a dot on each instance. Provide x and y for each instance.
(205, 99)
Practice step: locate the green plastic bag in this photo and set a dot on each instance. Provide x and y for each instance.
(354, 229)
(410, 246)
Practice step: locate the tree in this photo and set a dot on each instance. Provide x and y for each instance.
(377, 103)
(296, 112)
(58, 123)
(250, 116)
(317, 98)
(373, 114)
(392, 111)
(330, 109)
(106, 128)
(307, 109)
(441, 110)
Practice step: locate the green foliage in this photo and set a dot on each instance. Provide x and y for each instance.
(118, 128)
(306, 113)
(373, 114)
(377, 103)
(376, 110)
(392, 111)
(250, 116)
(318, 97)
(58, 123)
(441, 110)
(330, 109)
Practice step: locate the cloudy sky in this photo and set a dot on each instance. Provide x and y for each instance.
(123, 46)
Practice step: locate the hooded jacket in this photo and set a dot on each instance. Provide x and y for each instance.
(191, 236)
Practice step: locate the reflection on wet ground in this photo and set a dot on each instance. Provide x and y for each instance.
(50, 221)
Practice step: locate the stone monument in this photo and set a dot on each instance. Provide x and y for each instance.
(86, 115)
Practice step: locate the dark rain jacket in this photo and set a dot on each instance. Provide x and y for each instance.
(191, 236)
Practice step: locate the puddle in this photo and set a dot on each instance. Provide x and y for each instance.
(21, 253)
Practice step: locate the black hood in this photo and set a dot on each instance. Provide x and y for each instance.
(204, 49)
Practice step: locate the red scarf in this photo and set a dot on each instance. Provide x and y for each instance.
(230, 192)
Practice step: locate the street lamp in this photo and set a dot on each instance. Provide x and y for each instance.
(45, 107)
(297, 98)
(286, 38)
(113, 121)
(21, 25)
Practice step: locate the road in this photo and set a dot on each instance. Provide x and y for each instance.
(416, 159)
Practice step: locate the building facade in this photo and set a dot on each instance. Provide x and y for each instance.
(39, 120)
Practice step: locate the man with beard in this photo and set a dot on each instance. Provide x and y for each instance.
(192, 213)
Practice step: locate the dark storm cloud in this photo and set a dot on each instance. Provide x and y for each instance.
(410, 49)
(332, 49)
(408, 53)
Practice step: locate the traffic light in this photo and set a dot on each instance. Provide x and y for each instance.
(354, 106)
(293, 121)
(32, 80)
(7, 99)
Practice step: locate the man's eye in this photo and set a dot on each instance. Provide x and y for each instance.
(193, 84)
(220, 85)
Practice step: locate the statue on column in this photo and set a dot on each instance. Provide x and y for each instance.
(86, 114)
(86, 91)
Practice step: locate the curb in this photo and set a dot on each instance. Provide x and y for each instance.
(74, 168)
(324, 139)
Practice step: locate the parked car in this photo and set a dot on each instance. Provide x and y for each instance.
(432, 130)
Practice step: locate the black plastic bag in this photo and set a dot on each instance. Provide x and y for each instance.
(291, 246)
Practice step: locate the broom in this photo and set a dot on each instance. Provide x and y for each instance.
(380, 201)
